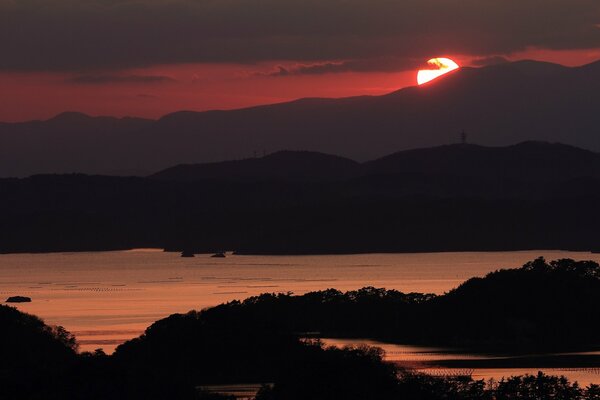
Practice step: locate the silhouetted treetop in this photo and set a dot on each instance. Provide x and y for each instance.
(32, 354)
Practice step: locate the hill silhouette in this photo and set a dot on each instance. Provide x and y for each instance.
(528, 161)
(279, 166)
(507, 311)
(31, 352)
(496, 105)
(449, 198)
(525, 162)
(540, 306)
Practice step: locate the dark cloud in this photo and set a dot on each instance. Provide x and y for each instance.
(117, 79)
(93, 34)
(280, 70)
(387, 64)
(486, 61)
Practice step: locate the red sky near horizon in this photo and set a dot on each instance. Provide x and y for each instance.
(148, 58)
(194, 87)
(198, 87)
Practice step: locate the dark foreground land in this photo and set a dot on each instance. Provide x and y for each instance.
(450, 198)
(540, 307)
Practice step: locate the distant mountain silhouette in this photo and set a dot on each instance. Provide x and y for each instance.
(527, 162)
(496, 105)
(71, 142)
(282, 165)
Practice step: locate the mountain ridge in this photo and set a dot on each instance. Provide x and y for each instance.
(496, 105)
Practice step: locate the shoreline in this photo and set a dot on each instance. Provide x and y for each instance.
(274, 253)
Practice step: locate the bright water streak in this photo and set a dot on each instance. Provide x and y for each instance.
(424, 359)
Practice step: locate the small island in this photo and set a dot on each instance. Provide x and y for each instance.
(18, 299)
(187, 254)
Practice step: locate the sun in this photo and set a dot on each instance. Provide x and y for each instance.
(439, 66)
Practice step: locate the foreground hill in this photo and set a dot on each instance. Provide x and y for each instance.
(497, 105)
(259, 341)
(508, 311)
(540, 306)
(34, 354)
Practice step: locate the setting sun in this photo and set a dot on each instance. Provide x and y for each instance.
(439, 67)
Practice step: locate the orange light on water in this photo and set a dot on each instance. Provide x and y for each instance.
(439, 67)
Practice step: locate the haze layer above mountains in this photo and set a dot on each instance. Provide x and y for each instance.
(497, 105)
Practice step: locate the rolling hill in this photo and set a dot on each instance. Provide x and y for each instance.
(533, 195)
(523, 162)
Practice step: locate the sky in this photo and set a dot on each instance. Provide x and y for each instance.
(147, 58)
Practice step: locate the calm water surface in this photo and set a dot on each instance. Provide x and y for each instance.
(424, 359)
(106, 298)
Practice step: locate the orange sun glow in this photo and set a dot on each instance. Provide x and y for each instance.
(439, 67)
